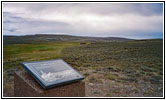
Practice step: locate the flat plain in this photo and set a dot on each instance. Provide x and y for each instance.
(112, 69)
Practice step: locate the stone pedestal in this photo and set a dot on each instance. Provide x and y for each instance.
(26, 86)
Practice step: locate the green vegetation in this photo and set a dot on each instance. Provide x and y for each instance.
(93, 80)
(133, 60)
(15, 54)
(110, 76)
(122, 62)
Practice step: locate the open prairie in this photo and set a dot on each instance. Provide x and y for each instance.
(115, 69)
(117, 45)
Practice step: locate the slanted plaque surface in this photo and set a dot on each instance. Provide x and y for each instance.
(52, 73)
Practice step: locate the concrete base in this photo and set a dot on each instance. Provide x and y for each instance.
(26, 86)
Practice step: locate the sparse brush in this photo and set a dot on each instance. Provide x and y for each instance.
(110, 77)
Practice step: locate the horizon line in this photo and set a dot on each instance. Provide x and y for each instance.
(86, 36)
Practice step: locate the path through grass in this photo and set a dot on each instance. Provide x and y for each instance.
(15, 54)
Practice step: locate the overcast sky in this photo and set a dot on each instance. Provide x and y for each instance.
(130, 20)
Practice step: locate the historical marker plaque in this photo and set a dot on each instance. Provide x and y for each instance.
(52, 73)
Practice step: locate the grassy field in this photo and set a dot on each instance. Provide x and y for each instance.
(132, 68)
(17, 53)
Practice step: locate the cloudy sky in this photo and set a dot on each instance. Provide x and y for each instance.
(130, 20)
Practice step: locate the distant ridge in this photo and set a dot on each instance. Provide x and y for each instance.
(56, 38)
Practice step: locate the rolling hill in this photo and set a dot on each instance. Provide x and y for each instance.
(55, 38)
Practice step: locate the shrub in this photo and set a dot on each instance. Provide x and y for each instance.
(92, 80)
(110, 77)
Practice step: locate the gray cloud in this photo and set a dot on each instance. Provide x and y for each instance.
(90, 19)
(24, 26)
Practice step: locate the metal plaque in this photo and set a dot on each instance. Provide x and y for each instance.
(52, 73)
